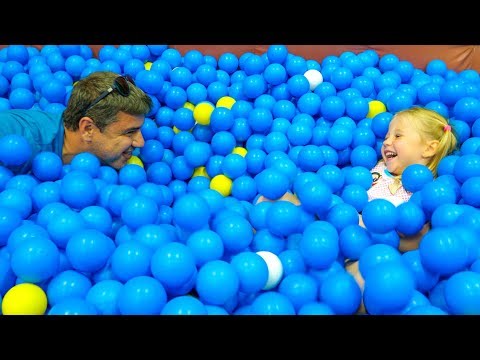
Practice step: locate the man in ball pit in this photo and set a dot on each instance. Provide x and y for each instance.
(415, 136)
(103, 116)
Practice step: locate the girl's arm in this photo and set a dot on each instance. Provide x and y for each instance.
(412, 242)
(407, 243)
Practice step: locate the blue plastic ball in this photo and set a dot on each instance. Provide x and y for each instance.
(315, 308)
(310, 158)
(35, 259)
(223, 143)
(292, 261)
(104, 296)
(235, 231)
(174, 266)
(411, 218)
(443, 251)
(272, 303)
(86, 162)
(151, 81)
(76, 189)
(89, 250)
(14, 150)
(228, 62)
(73, 306)
(184, 305)
(415, 176)
(244, 188)
(353, 240)
(97, 217)
(282, 218)
(217, 282)
(67, 284)
(142, 295)
(131, 259)
(108, 174)
(45, 193)
(206, 246)
(388, 289)
(191, 212)
(332, 107)
(462, 293)
(341, 293)
(424, 279)
(132, 175)
(252, 271)
(380, 216)
(275, 74)
(139, 210)
(319, 245)
(299, 288)
(271, 183)
(277, 54)
(118, 196)
(437, 193)
(357, 108)
(341, 215)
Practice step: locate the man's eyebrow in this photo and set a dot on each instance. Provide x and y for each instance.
(131, 129)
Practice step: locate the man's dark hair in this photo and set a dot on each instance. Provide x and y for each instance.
(105, 111)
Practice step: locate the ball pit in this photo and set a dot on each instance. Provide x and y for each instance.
(183, 232)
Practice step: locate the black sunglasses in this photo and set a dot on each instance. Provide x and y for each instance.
(120, 85)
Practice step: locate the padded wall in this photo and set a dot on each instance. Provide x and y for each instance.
(457, 57)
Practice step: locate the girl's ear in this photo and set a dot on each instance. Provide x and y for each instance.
(430, 148)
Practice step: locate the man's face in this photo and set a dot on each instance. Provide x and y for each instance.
(114, 145)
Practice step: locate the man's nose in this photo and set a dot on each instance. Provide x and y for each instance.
(138, 140)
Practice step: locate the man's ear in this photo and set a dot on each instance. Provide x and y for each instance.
(86, 128)
(430, 148)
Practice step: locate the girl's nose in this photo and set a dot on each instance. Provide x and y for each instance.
(387, 141)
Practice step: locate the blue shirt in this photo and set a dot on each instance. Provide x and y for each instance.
(43, 131)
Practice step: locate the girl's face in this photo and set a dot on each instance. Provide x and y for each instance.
(403, 146)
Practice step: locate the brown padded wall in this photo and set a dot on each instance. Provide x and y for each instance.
(457, 57)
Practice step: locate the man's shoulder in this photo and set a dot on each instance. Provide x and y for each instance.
(30, 115)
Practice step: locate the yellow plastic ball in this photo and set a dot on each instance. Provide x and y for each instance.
(240, 151)
(176, 130)
(375, 107)
(24, 299)
(200, 171)
(202, 113)
(189, 105)
(226, 102)
(148, 65)
(135, 160)
(222, 184)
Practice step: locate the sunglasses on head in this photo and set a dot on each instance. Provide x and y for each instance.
(120, 85)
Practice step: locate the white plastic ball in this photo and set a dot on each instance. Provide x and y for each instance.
(314, 78)
(275, 269)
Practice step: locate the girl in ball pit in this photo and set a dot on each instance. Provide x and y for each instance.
(415, 136)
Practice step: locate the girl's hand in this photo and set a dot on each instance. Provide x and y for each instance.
(412, 242)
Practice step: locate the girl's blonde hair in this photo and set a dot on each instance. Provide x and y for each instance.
(432, 126)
